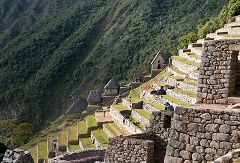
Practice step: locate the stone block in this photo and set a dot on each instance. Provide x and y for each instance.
(212, 127)
(225, 128)
(185, 155)
(170, 159)
(221, 137)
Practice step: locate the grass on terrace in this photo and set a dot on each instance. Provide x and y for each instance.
(136, 123)
(191, 94)
(82, 127)
(114, 129)
(62, 137)
(177, 70)
(73, 148)
(87, 143)
(193, 55)
(73, 132)
(184, 60)
(42, 150)
(185, 80)
(33, 152)
(175, 100)
(120, 107)
(144, 113)
(101, 136)
(91, 121)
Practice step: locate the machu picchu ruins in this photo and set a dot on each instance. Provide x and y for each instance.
(186, 110)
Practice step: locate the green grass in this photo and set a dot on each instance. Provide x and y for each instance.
(114, 129)
(134, 93)
(82, 127)
(42, 150)
(91, 121)
(101, 136)
(148, 76)
(175, 100)
(136, 123)
(73, 132)
(184, 80)
(144, 113)
(120, 107)
(177, 70)
(87, 143)
(184, 60)
(73, 148)
(33, 152)
(156, 105)
(193, 55)
(62, 137)
(191, 94)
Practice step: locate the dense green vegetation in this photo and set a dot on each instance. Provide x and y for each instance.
(228, 11)
(52, 52)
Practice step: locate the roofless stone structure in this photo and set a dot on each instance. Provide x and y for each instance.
(219, 80)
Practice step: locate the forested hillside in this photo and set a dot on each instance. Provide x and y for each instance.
(52, 52)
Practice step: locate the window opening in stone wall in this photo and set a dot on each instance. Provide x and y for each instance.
(167, 121)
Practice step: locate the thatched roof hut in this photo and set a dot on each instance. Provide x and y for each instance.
(112, 84)
(77, 107)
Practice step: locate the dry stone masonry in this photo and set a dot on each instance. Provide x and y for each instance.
(218, 78)
(202, 135)
(128, 150)
(17, 156)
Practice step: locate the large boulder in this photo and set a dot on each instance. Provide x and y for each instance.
(18, 156)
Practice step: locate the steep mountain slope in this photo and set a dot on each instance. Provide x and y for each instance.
(53, 52)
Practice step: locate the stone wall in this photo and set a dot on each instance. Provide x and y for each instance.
(144, 121)
(119, 118)
(160, 127)
(202, 135)
(130, 149)
(218, 71)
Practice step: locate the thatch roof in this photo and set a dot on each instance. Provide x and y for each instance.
(112, 84)
(77, 107)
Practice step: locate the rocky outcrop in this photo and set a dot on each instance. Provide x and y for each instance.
(17, 156)
(83, 156)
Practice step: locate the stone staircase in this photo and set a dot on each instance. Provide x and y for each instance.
(230, 30)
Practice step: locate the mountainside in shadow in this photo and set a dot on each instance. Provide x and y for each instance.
(52, 52)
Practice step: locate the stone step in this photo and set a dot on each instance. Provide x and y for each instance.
(190, 56)
(222, 33)
(175, 71)
(201, 41)
(195, 45)
(182, 83)
(183, 95)
(194, 75)
(231, 24)
(112, 130)
(184, 65)
(233, 100)
(227, 37)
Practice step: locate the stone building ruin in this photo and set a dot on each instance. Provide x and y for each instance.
(219, 80)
